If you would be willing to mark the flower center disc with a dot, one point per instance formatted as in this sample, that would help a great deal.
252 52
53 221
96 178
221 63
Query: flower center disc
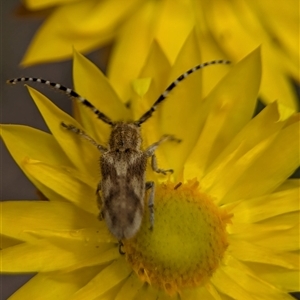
187 242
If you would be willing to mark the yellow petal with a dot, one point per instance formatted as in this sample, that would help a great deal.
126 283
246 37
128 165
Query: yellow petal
58 183
287 220
81 28
91 83
53 42
40 4
179 15
282 238
240 283
171 15
236 167
288 240
240 29
167 15
225 23
182 104
99 248
147 292
246 251
141 86
279 222
82 153
20 217
111 294
35 256
209 49
130 288
234 160
229 286
266 175
23 141
267 206
229 29
6 241
162 295
100 258
199 293
228 108
289 184
156 68
269 121
122 71
107 279
283 90
285 30
286 280
89 236
54 285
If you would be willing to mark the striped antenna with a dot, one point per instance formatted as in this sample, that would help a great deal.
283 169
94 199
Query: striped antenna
165 94
68 92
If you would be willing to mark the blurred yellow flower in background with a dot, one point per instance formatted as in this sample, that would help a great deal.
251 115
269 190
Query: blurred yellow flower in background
230 231
225 29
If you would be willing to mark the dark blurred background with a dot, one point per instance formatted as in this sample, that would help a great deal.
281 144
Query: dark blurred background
18 108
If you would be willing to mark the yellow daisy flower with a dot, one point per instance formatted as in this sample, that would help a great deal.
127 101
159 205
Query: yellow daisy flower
226 222
224 29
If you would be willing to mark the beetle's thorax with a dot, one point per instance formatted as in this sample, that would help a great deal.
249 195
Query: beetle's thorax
125 136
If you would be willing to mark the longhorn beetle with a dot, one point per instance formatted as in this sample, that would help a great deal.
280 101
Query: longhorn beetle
122 188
